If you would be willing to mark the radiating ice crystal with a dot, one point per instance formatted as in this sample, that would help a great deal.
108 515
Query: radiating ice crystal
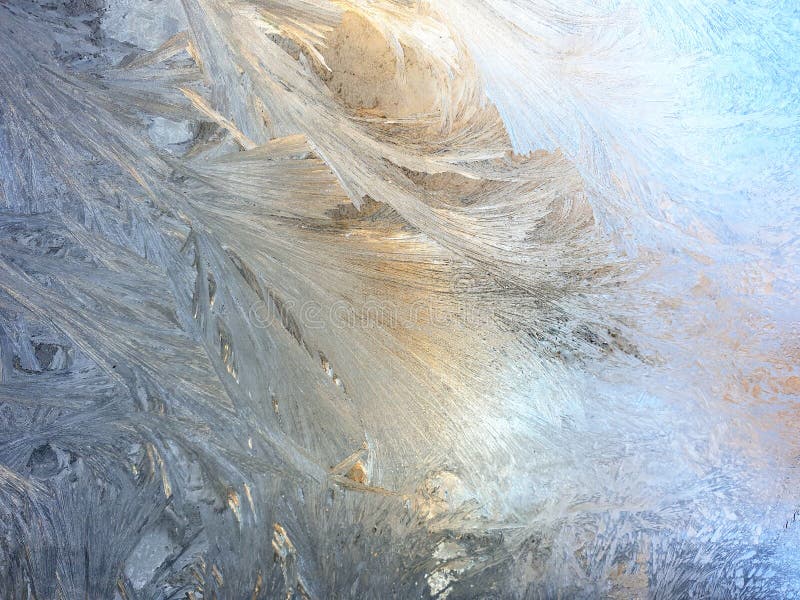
448 299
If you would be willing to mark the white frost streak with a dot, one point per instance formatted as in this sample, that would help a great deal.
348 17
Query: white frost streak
371 299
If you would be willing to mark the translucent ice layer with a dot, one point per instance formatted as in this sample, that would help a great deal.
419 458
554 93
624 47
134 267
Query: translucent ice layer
399 299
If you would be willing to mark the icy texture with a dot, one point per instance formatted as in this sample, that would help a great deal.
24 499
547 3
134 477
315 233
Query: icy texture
356 299
145 24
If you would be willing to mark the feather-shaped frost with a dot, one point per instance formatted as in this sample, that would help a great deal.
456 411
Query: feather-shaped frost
360 299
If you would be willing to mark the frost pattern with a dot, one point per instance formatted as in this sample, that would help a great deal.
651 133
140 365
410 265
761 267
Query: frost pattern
359 299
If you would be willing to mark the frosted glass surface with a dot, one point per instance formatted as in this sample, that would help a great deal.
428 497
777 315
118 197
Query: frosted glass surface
399 299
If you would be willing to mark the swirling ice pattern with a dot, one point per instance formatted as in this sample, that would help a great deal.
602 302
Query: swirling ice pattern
399 299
